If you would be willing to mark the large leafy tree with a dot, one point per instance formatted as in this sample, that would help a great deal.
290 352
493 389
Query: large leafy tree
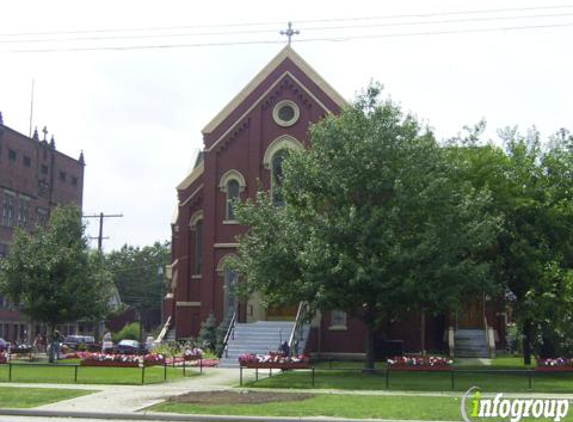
137 277
53 276
375 222
531 188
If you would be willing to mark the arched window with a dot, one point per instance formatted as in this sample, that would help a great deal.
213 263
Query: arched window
196 225
273 160
233 190
198 247
277 177
232 183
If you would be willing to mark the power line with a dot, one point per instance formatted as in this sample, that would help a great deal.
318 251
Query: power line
261 31
316 39
299 21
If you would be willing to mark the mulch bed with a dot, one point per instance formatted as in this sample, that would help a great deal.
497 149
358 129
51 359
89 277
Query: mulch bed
234 397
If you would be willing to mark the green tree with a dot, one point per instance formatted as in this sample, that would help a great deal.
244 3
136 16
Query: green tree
375 223
533 255
53 276
135 274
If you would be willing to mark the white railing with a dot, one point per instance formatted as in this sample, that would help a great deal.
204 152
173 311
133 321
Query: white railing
297 329
163 331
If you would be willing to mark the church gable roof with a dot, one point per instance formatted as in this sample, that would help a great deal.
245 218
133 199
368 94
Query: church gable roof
286 54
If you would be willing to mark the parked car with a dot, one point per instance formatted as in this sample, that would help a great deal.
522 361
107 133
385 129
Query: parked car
75 342
3 345
129 347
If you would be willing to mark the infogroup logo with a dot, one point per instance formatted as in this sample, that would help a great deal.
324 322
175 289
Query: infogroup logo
514 409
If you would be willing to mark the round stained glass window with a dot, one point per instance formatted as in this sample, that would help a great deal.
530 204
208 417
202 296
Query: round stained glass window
286 113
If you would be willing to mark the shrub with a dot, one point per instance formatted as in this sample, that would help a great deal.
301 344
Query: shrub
129 331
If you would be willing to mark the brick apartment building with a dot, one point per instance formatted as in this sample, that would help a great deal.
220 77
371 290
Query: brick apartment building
34 178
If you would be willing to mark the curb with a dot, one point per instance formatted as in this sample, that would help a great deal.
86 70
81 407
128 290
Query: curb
152 416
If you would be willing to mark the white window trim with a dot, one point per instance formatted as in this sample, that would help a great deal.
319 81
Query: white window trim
339 327
280 143
286 123
197 215
232 175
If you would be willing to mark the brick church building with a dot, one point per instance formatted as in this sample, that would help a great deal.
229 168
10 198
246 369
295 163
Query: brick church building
242 152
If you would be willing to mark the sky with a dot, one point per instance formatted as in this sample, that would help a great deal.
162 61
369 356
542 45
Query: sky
137 113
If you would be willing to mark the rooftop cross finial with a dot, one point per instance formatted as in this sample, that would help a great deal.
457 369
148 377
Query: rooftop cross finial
290 32
45 132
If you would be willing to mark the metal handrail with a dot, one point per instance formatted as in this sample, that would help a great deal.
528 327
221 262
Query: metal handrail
298 324
230 333
163 331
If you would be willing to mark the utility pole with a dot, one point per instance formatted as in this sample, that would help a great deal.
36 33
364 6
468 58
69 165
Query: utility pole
100 237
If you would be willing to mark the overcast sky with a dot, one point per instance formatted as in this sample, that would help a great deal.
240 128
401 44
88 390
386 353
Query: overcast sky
138 113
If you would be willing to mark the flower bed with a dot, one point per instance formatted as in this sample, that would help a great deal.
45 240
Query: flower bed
193 354
273 360
419 363
555 365
21 349
105 359
3 358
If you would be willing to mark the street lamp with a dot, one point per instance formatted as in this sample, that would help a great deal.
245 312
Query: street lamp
161 291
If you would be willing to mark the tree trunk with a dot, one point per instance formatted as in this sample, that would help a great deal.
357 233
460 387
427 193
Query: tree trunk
527 334
370 340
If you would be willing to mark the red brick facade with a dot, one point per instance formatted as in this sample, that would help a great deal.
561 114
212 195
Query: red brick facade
34 178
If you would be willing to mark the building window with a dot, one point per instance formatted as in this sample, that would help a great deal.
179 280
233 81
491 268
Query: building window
11 156
277 177
23 213
230 297
74 181
4 250
233 190
198 247
44 169
286 113
8 210
27 161
63 176
337 320
42 217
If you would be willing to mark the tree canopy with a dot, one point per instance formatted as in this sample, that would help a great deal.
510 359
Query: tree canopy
52 275
530 185
376 222
135 274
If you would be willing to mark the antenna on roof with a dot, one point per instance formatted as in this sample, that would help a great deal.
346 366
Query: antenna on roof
31 109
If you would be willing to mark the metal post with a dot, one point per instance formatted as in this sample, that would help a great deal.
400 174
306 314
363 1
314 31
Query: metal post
165 371
184 366
143 374
9 371
387 377
452 378
76 373
256 374
241 376
313 377
529 379
270 372
201 365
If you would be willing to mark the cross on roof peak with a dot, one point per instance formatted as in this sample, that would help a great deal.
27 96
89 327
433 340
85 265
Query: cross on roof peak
290 32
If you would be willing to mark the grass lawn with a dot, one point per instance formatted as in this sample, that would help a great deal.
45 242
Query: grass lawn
32 397
90 374
498 381
343 406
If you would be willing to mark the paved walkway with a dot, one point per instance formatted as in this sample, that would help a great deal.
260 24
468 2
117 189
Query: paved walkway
131 398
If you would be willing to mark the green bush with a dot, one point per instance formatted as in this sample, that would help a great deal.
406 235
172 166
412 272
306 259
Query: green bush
129 331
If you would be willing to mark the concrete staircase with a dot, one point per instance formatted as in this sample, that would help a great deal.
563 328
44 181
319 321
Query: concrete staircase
471 343
259 338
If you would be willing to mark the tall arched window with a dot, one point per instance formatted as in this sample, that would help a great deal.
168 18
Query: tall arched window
273 160
233 190
232 183
277 176
198 247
